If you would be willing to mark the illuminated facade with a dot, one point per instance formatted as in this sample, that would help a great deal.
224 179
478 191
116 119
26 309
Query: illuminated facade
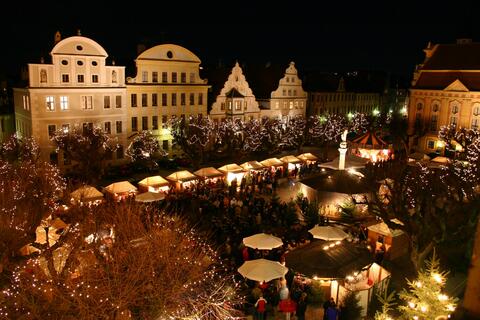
445 91
167 85
77 88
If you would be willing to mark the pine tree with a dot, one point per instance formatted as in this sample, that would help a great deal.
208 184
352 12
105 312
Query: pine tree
425 299
351 308
387 302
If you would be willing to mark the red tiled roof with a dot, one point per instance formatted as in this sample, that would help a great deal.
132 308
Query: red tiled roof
441 80
464 56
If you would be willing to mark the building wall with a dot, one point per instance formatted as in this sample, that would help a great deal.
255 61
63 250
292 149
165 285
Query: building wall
289 99
342 102
428 110
249 108
7 127
169 74
76 88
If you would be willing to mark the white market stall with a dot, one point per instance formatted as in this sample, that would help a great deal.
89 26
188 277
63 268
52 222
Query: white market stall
252 165
233 171
291 161
182 179
308 157
209 174
121 190
86 194
154 184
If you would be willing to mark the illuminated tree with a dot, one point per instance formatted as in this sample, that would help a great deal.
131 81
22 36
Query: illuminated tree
143 147
425 299
123 262
272 135
359 123
294 133
195 136
388 302
87 147
229 135
28 188
253 135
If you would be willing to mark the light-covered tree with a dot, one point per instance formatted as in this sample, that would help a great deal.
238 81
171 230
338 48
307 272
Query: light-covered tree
229 135
143 148
359 123
295 133
123 262
425 298
87 147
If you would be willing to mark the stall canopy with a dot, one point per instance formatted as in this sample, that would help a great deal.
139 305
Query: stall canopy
252 165
263 241
86 194
262 270
149 197
290 159
328 233
307 157
182 176
208 173
418 156
155 181
272 162
383 229
233 168
120 187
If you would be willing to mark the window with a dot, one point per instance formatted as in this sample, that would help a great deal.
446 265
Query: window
118 101
144 123
174 77
108 127
222 106
229 104
284 92
291 105
51 130
95 78
200 99
296 104
164 100
80 78
154 99
65 78
114 76
164 77
164 122
434 122
94 63
431 144
87 102
26 102
288 79
144 76
238 105
63 102
277 104
144 99
476 111
192 99
293 80
87 127
120 152
54 158
134 124
118 126
453 121
65 127
295 92
165 144
133 100
192 77
435 108
154 76
43 76
183 77
183 99
174 99
289 92
455 109
50 103
475 123
419 106
106 102
155 123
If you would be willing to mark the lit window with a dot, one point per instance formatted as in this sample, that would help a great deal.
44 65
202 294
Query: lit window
50 103
87 102
65 127
64 103
291 104
277 104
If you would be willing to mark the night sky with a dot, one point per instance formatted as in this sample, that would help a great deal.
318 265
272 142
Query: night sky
331 37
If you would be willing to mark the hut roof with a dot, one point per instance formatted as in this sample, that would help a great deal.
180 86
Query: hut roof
208 172
272 162
383 229
307 156
86 193
154 181
252 165
290 159
233 167
182 176
121 187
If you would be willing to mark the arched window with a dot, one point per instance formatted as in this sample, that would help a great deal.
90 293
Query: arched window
43 76
114 76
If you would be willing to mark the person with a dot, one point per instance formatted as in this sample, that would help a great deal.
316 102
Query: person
332 312
301 307
287 307
328 303
260 307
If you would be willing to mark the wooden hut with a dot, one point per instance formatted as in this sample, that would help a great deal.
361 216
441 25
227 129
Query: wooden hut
395 241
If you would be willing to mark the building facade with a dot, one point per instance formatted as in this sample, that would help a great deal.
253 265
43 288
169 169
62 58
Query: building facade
77 88
7 123
167 85
288 99
445 91
236 99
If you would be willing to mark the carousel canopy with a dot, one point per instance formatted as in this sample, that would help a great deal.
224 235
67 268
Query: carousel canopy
290 159
272 162
121 187
252 165
370 140
383 229
312 260
182 176
155 181
86 193
208 172
233 167
307 157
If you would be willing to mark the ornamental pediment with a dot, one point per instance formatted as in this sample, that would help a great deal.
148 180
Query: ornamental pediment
456 85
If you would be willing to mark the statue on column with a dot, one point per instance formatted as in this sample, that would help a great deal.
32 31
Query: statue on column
343 144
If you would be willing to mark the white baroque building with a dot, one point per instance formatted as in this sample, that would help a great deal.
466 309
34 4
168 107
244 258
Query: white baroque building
76 89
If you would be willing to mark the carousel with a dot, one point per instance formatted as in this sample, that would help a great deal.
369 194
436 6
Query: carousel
371 146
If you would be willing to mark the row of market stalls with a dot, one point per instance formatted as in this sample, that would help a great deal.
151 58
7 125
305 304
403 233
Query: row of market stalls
184 179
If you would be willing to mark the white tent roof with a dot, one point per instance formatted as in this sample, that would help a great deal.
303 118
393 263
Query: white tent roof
290 159
121 187
262 270
440 160
154 181
307 156
418 156
182 176
86 193
252 165
263 241
272 162
208 172
149 197
233 167
383 229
